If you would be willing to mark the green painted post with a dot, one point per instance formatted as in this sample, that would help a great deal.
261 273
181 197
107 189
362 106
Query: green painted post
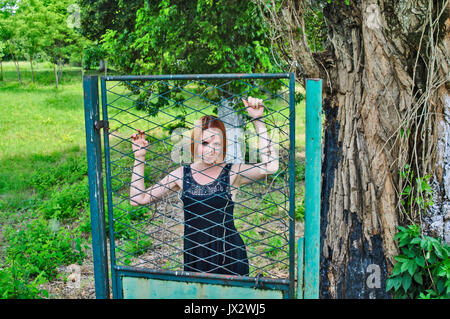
291 185
312 192
95 177
300 261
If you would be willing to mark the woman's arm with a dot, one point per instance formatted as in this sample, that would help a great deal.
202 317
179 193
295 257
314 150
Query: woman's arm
269 164
138 194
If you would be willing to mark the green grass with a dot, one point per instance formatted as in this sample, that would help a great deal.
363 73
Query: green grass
42 177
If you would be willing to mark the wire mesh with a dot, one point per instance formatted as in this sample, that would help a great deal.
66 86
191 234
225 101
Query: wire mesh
155 235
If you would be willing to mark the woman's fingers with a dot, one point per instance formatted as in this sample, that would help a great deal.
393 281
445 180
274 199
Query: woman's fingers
253 102
139 138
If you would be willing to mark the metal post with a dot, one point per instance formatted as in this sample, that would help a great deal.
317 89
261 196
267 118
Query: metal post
292 184
312 192
96 197
300 263
109 190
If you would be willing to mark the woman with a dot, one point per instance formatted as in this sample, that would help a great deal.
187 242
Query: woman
208 185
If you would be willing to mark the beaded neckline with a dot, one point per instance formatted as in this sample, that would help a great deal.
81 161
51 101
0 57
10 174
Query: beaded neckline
191 186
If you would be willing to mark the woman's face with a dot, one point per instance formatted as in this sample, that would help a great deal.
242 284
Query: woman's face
210 149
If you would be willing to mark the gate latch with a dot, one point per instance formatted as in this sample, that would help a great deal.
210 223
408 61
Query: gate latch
101 124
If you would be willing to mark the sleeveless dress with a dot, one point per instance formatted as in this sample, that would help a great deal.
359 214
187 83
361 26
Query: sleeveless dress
211 242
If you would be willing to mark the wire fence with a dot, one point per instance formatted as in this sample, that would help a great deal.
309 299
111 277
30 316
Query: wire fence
155 235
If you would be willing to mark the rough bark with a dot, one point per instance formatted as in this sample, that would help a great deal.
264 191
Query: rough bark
437 221
377 88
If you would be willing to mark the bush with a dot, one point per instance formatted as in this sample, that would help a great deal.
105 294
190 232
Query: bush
67 201
50 173
423 268
13 288
40 248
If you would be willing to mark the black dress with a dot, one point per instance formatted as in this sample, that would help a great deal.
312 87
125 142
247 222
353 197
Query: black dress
211 242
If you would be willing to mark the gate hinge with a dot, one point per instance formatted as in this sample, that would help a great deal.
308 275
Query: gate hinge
101 124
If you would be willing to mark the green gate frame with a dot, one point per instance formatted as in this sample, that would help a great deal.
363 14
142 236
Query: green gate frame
197 284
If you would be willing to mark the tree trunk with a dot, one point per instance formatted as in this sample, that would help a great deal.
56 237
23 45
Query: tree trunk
56 74
371 92
82 65
101 66
17 69
379 104
60 69
1 68
32 70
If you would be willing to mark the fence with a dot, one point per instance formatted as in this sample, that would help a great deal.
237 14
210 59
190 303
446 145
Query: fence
148 243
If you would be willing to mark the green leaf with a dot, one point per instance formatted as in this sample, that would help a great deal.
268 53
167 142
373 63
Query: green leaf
406 282
418 278
389 283
401 258
412 268
405 266
440 286
397 282
420 261
396 271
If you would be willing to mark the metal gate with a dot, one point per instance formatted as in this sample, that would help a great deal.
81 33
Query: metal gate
146 242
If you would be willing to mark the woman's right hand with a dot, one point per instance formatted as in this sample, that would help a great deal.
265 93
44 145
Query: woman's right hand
139 144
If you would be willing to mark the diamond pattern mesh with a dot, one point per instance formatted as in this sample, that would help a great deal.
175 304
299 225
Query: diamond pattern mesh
152 236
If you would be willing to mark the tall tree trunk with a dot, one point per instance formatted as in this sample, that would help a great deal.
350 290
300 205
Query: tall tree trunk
1 68
60 68
82 65
32 70
16 62
378 105
56 74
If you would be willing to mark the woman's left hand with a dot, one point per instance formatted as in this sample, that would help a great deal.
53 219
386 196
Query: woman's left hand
254 107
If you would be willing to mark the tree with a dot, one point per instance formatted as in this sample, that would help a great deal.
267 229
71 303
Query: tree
97 17
60 37
9 24
385 69
179 36
31 27
186 37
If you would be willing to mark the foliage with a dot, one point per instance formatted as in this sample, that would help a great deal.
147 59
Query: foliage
33 28
98 16
190 37
41 246
315 27
423 268
13 285
300 211
170 37
66 201
417 193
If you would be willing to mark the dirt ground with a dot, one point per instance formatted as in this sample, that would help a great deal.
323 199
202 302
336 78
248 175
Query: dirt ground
73 281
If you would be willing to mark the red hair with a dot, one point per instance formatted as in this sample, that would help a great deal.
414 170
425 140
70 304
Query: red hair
204 123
